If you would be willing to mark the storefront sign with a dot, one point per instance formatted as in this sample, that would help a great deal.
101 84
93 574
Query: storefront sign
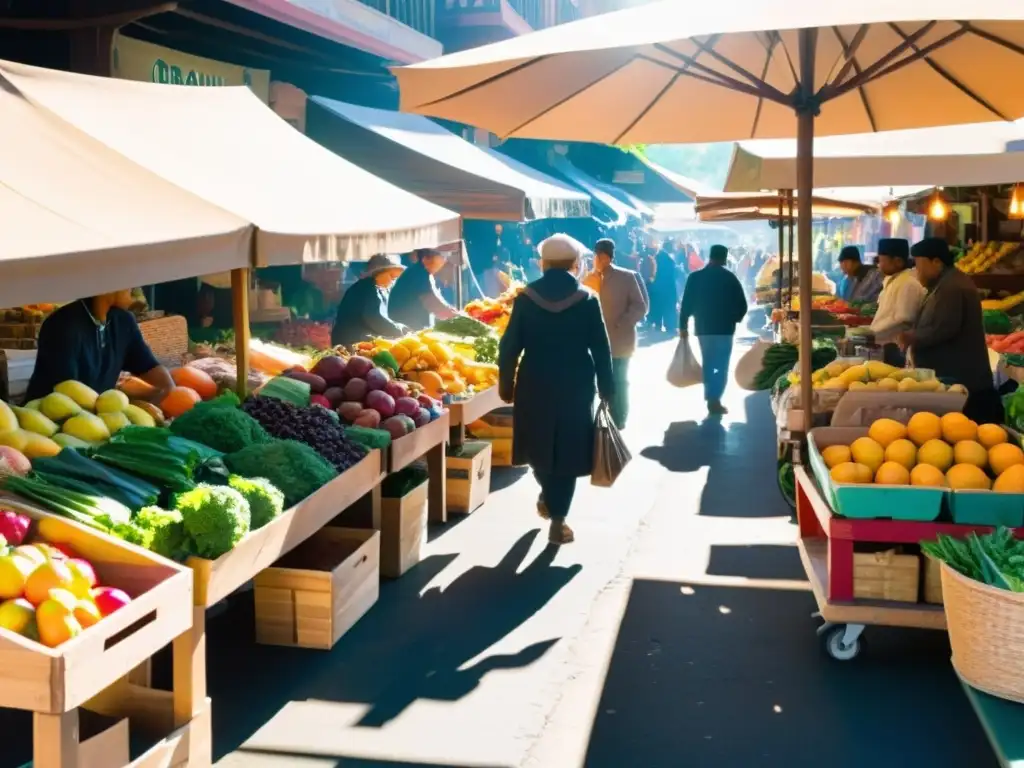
136 60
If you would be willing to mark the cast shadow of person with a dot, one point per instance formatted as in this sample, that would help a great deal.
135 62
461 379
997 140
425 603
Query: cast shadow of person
467 617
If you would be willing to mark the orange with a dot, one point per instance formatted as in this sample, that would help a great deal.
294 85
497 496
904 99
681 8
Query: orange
1003 456
179 401
990 435
892 473
926 474
199 381
957 427
51 575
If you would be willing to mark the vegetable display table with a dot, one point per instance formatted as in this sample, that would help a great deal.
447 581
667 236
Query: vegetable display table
216 579
1003 722
826 548
426 442
53 683
465 412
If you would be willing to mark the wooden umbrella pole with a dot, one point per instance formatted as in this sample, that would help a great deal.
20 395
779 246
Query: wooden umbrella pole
805 183
240 318
789 287
782 242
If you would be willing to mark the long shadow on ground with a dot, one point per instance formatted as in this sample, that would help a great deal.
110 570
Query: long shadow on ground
409 647
721 677
741 481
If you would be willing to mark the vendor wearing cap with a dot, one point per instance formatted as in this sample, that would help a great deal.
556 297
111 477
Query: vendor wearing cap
949 335
862 282
363 311
415 300
92 341
900 300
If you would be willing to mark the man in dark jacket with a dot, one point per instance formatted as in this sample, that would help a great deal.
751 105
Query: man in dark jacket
714 298
949 336
415 300
665 289
553 350
363 311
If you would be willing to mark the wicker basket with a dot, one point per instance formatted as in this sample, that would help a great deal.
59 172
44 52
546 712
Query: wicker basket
167 337
986 633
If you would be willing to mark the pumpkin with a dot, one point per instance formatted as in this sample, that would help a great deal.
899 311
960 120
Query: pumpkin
179 401
198 381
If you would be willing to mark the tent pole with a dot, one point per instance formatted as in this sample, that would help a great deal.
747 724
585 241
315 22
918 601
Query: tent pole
806 113
240 317
789 287
782 243
463 254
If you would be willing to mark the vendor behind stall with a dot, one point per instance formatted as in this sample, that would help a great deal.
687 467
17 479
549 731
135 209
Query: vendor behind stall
92 341
949 336
363 311
900 300
861 282
415 300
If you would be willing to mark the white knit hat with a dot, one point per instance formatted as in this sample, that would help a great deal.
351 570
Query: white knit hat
560 249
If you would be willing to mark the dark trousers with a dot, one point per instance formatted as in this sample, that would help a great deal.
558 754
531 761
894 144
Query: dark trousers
984 407
619 405
557 492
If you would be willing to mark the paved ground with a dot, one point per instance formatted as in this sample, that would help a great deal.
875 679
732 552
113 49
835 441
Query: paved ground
675 633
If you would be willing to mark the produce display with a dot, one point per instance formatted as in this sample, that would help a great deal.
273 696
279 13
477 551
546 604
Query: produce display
779 360
294 468
995 558
950 451
496 312
853 375
438 363
315 426
984 256
1007 344
996 322
49 594
303 334
828 310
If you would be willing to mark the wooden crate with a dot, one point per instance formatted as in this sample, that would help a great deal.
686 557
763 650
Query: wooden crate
216 579
100 742
403 531
469 476
932 581
886 576
405 450
316 593
467 411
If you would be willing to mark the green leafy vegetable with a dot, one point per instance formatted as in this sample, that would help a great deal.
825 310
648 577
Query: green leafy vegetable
103 480
486 349
265 501
226 429
165 531
215 517
293 467
995 558
159 463
82 507
463 325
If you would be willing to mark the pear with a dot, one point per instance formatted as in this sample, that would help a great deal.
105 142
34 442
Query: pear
39 447
115 421
139 417
34 421
111 401
8 421
34 405
15 438
79 392
58 407
88 427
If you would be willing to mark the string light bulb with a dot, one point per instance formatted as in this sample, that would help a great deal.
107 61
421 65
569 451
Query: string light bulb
937 208
891 213
1016 203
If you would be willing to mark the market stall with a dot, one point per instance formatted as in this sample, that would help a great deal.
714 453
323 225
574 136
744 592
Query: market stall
101 459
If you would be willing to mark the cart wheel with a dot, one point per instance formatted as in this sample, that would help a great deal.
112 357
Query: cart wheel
787 482
842 644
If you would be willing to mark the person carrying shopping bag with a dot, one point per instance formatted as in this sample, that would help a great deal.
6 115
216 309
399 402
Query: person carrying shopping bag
553 359
714 299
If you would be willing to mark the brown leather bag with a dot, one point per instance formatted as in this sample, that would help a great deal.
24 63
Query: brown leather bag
610 452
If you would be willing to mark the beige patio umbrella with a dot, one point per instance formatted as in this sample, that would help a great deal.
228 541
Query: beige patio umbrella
671 72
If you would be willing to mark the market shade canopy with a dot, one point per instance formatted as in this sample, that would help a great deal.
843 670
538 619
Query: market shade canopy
745 207
421 157
954 156
621 204
79 219
672 72
226 147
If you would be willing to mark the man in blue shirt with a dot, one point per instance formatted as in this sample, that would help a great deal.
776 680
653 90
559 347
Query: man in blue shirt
861 282
92 341
415 300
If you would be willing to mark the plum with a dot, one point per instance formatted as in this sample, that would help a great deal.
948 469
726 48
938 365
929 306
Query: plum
355 389
331 369
376 379
422 418
381 402
397 389
350 410
335 396
357 367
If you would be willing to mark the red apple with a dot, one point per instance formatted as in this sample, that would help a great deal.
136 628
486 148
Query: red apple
109 599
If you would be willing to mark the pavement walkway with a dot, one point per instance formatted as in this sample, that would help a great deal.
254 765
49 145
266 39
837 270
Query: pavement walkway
675 632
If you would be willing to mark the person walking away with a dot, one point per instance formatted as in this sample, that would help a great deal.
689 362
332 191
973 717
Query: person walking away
861 282
949 335
415 300
647 268
665 288
714 299
899 301
553 350
363 311
623 305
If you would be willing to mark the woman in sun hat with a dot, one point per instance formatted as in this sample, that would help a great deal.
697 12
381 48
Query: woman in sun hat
363 311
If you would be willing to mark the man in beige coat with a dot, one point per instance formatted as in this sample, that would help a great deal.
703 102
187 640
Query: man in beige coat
624 303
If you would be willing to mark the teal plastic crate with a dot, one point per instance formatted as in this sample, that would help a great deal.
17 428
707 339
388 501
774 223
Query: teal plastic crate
987 508
869 502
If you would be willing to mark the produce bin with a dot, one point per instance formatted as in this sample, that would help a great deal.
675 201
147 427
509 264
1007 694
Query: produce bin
987 508
886 575
932 581
866 502
469 476
403 530
405 450
318 591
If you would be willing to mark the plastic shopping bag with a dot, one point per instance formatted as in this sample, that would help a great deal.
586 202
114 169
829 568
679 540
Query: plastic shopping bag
610 452
684 371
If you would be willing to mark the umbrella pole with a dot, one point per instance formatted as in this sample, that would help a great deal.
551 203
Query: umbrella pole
789 286
806 113
782 241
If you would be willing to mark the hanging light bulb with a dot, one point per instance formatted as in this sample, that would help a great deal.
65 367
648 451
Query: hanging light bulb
891 213
937 208
1016 203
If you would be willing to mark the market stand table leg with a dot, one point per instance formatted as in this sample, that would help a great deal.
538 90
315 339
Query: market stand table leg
426 442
